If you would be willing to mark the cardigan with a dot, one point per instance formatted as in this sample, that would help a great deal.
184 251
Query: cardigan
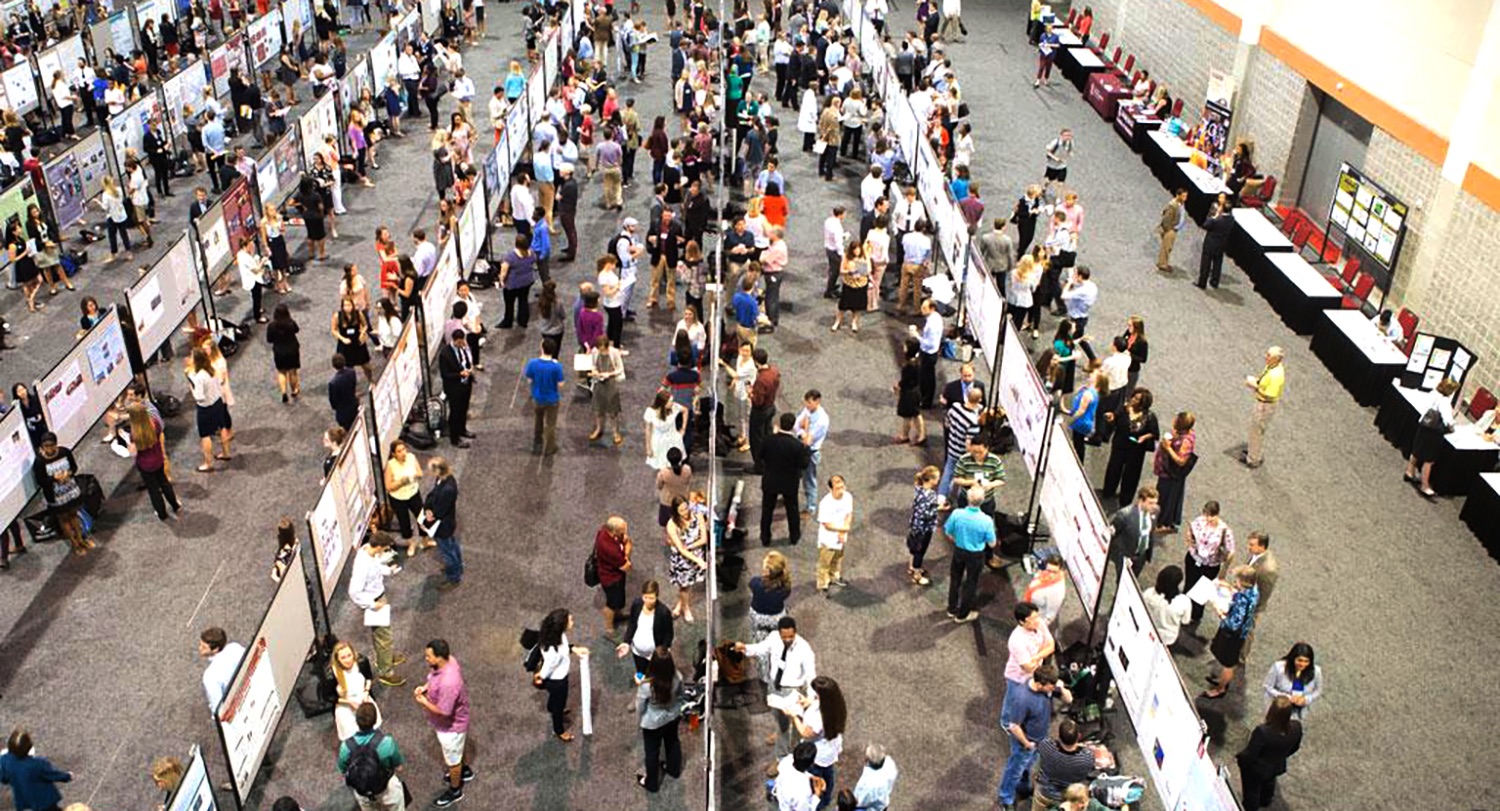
661 623
31 781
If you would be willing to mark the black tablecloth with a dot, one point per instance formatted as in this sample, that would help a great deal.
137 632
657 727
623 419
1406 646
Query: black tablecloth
1160 164
1455 471
1301 312
1480 511
1364 379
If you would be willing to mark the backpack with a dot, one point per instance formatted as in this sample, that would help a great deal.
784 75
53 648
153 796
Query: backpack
366 774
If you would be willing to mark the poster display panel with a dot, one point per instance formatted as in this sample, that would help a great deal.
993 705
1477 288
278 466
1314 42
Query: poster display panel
195 791
329 541
224 59
93 164
128 129
65 189
383 59
20 88
985 310
1206 788
321 120
1077 522
342 514
17 485
517 135
1168 729
265 681
398 387
162 298
1023 397
1129 644
297 13
355 82
494 182
220 230
437 298
265 38
121 32
471 229
432 15
63 57
280 169
78 390
153 10
184 89
1369 215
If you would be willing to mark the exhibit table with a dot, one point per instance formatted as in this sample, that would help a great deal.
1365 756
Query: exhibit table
1105 90
1464 455
1202 188
1134 122
1357 354
1253 239
1163 151
1066 37
1297 291
1078 64
1480 510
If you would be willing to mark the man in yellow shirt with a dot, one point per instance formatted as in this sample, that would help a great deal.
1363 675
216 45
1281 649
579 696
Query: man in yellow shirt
1268 387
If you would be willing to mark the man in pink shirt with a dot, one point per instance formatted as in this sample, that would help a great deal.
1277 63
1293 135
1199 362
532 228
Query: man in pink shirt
1073 211
1030 645
445 697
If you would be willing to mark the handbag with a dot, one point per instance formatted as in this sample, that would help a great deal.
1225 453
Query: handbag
1181 471
1432 420
591 570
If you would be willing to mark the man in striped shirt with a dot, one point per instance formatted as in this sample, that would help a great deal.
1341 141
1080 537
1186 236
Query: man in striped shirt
959 424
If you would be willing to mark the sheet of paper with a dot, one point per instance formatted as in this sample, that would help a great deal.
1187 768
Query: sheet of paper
430 530
782 703
1209 592
378 617
585 689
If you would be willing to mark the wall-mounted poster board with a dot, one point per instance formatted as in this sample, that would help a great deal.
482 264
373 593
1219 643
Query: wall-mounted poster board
278 171
1433 358
162 298
195 791
81 387
437 298
1078 525
17 485
1024 398
1372 223
184 89
128 129
13 204
265 38
63 57
517 134
432 15
342 514
471 229
265 682
397 389
496 174
20 88
321 120
225 59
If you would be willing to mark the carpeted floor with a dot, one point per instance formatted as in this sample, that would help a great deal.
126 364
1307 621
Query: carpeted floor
99 655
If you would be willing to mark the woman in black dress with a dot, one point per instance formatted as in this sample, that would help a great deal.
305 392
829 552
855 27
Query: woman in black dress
31 412
310 203
28 275
442 164
1135 433
350 333
909 396
286 352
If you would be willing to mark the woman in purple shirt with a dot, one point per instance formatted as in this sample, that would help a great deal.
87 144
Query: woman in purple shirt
589 321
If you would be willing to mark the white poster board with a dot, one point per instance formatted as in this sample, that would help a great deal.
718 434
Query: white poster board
162 298
77 392
184 89
265 38
985 309
437 298
62 57
20 88
225 59
342 513
383 59
1078 525
195 791
1024 398
17 485
321 120
471 228
121 32
128 129
397 388
278 171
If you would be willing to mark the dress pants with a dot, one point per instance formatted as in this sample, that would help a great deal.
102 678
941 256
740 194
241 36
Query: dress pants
1164 256
788 494
760 429
1260 419
1211 265
963 581
1194 573
384 643
557 701
544 429
654 741
927 379
159 487
458 410
773 296
835 264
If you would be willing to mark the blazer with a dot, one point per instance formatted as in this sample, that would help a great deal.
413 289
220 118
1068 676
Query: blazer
953 391
450 367
661 623
442 500
1216 231
783 458
1265 579
343 396
31 781
1169 215
1127 541
1266 754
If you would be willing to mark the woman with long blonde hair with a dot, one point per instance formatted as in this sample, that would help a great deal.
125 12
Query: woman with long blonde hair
151 459
354 677
1020 291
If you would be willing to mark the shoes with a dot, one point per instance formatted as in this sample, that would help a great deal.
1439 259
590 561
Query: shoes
448 585
969 617
399 659
449 797
285 398
839 581
468 773
461 443
469 435
392 681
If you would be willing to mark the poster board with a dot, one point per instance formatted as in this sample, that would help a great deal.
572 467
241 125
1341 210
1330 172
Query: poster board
154 10
265 681
195 791
182 90
278 171
397 389
1371 220
20 88
226 221
340 517
1078 525
517 135
128 129
63 57
1206 788
13 204
496 173
164 296
984 307
17 485
437 298
84 384
471 229
265 38
322 119
355 82
1433 358
1023 397
296 13
432 15
75 177
383 59
114 33
225 59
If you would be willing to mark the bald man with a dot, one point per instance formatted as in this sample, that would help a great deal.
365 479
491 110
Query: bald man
1268 387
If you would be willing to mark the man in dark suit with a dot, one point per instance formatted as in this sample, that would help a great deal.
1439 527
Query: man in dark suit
200 204
343 392
957 391
665 243
159 152
567 210
1133 527
1217 229
456 366
440 511
783 460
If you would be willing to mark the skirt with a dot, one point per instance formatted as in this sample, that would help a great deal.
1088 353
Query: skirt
287 360
854 299
213 418
1226 647
280 260
355 354
909 403
762 626
1427 444
681 571
606 398
316 228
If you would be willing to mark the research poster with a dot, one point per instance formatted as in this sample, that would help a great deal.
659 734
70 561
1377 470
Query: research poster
162 298
105 348
213 236
184 89
319 121
62 57
1130 643
248 715
1168 729
355 480
225 59
985 311
65 188
397 388
20 88
265 38
1074 517
121 32
328 538
383 59
471 229
65 396
17 485
195 791
1024 399
438 297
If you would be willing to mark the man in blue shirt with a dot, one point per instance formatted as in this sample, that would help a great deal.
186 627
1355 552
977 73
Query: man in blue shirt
812 429
973 534
547 380
746 309
541 243
214 143
930 340
1025 716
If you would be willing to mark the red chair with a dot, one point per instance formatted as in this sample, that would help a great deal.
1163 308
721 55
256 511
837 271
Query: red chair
1408 321
1351 270
1072 14
1134 77
1104 44
1129 64
1483 401
1363 284
1177 108
1292 220
1300 233
1115 60
1151 91
1262 196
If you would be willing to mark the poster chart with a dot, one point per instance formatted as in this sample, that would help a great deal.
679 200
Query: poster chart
536 90
17 485
20 88
437 297
342 512
985 310
265 38
298 16
265 681
517 134
184 90
432 13
1078 525
321 120
496 177
162 298
154 10
195 791
62 57
398 387
220 230
1023 397
354 84
13 204
65 189
1369 216
383 59
113 33
79 389
277 171
471 228
128 129
225 59
1206 788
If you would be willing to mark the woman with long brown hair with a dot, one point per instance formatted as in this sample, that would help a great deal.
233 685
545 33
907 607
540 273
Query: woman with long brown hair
821 719
390 268
351 334
686 535
1173 462
151 459
658 701
1265 755
286 352
212 412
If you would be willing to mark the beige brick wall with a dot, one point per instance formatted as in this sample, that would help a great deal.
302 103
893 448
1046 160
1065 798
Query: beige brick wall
1268 111
1462 299
1173 41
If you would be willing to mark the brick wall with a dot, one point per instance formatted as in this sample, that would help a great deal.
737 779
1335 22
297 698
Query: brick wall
1462 299
1270 111
1173 41
1411 178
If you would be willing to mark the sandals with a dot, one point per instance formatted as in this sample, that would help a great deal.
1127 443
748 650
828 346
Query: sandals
206 468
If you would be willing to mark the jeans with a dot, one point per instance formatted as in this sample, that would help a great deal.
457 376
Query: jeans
810 480
1015 768
963 580
114 228
825 772
945 484
453 558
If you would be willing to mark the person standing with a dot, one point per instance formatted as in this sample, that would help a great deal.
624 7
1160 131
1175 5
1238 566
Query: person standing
372 565
1235 625
834 237
557 663
1174 460
873 790
223 659
763 391
149 449
55 471
1265 755
1132 529
924 512
31 778
1173 219
566 208
547 379
1079 294
445 697
658 702
784 459
812 429
793 668
931 342
1030 644
1026 717
999 252
649 628
1267 571
440 514
1217 229
1210 547
456 366
960 428
973 534
1135 429
368 755
1059 152
1268 387
612 549
835 518
1435 423
343 392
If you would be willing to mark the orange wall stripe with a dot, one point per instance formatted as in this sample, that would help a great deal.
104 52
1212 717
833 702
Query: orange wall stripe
1483 185
1220 16
1403 127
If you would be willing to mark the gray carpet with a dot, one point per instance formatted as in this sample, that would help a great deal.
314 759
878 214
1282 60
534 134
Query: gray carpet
1355 584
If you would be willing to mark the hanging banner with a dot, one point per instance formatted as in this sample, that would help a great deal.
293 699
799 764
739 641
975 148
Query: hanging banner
224 59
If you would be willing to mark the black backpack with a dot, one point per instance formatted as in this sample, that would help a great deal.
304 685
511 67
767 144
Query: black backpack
366 774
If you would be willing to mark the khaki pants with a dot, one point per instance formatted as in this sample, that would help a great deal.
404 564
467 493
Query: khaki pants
658 270
747 335
384 643
614 183
393 799
1164 256
911 282
547 193
830 566
1260 418
544 430
950 29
